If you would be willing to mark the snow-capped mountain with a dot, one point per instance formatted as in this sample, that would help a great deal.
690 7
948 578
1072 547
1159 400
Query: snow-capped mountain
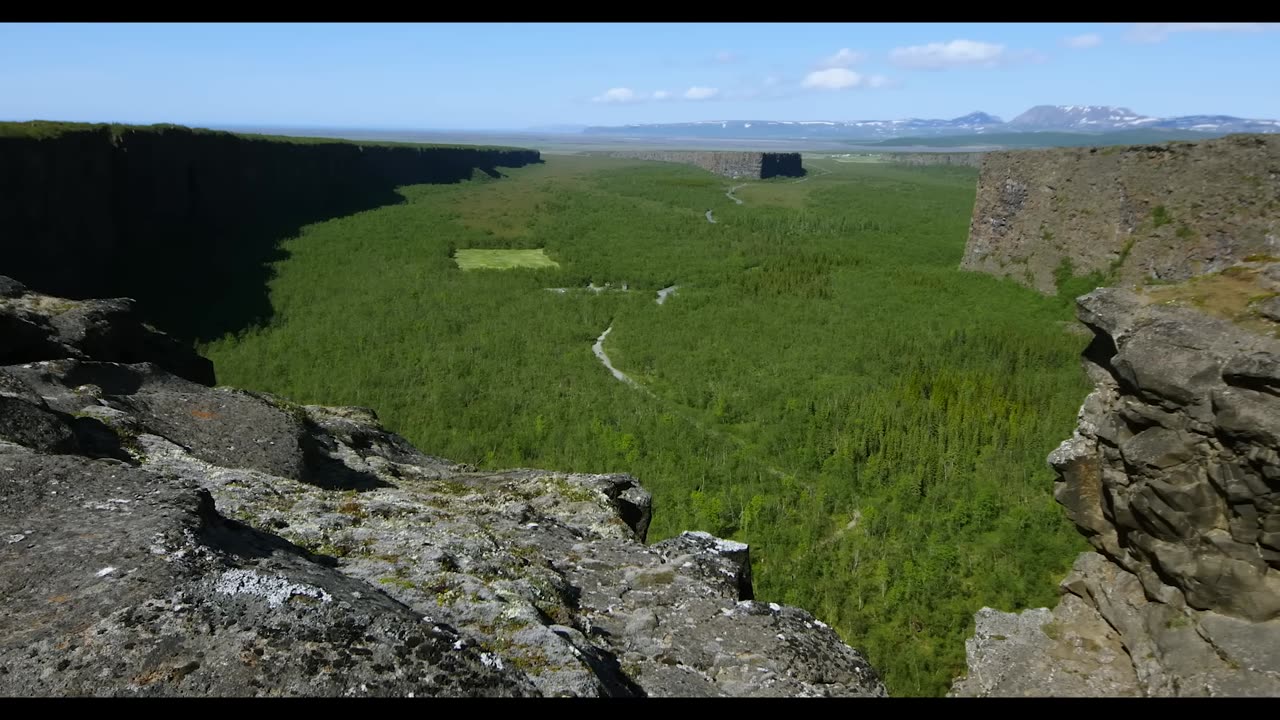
1085 118
1056 118
976 122
1218 123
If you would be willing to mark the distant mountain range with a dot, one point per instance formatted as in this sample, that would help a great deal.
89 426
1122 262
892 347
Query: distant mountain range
1089 119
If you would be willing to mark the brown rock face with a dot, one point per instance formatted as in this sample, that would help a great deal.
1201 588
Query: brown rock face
1166 212
1173 474
730 164
1173 466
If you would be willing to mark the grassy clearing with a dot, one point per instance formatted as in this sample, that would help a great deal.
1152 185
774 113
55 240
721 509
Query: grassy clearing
1230 294
490 259
825 360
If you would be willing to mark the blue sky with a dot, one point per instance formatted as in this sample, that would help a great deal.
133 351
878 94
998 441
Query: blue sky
512 76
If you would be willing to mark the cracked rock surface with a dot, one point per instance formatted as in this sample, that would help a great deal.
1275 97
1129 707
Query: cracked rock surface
1173 475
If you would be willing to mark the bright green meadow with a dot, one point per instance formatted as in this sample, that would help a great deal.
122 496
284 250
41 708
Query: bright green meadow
481 259
825 383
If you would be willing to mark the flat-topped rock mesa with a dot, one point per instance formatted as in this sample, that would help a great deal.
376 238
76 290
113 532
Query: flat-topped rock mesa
186 220
1127 214
757 165
165 537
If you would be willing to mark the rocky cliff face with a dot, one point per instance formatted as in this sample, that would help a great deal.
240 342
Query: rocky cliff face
1129 214
159 536
1173 475
185 221
730 164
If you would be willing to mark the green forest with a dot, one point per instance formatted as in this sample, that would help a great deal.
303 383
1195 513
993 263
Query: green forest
825 383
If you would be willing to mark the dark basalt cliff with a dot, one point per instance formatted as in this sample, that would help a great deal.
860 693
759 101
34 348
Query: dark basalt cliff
159 536
187 221
757 165
1173 473
1127 214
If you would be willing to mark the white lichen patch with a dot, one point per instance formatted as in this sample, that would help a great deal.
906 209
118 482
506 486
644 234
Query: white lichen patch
722 546
274 589
1074 448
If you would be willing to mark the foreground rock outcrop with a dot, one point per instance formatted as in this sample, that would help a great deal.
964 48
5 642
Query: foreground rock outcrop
1173 475
1133 213
758 165
159 536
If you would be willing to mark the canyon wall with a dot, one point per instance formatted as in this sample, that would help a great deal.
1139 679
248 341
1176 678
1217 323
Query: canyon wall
1126 214
1173 471
187 221
758 165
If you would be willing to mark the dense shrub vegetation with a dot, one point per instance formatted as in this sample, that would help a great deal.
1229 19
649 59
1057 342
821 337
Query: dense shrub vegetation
827 385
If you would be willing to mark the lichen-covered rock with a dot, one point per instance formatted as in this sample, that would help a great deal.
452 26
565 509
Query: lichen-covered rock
1173 475
41 327
118 580
162 537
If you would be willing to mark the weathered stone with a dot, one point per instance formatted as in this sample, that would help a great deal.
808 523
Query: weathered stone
1248 414
1253 646
1256 370
1158 448
40 327
129 583
1172 473
11 288
1166 371
1070 652
33 425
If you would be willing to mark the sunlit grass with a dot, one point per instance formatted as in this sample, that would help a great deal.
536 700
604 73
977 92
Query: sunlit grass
477 259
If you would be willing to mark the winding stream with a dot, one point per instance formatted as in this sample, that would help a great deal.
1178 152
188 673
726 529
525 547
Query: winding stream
664 292
710 219
731 190
598 349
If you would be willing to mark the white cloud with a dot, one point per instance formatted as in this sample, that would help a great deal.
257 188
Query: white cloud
843 58
617 95
1086 40
952 54
833 79
878 81
700 93
661 95
726 56
1155 32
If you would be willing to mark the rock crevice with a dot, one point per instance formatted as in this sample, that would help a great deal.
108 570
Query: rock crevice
1173 475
